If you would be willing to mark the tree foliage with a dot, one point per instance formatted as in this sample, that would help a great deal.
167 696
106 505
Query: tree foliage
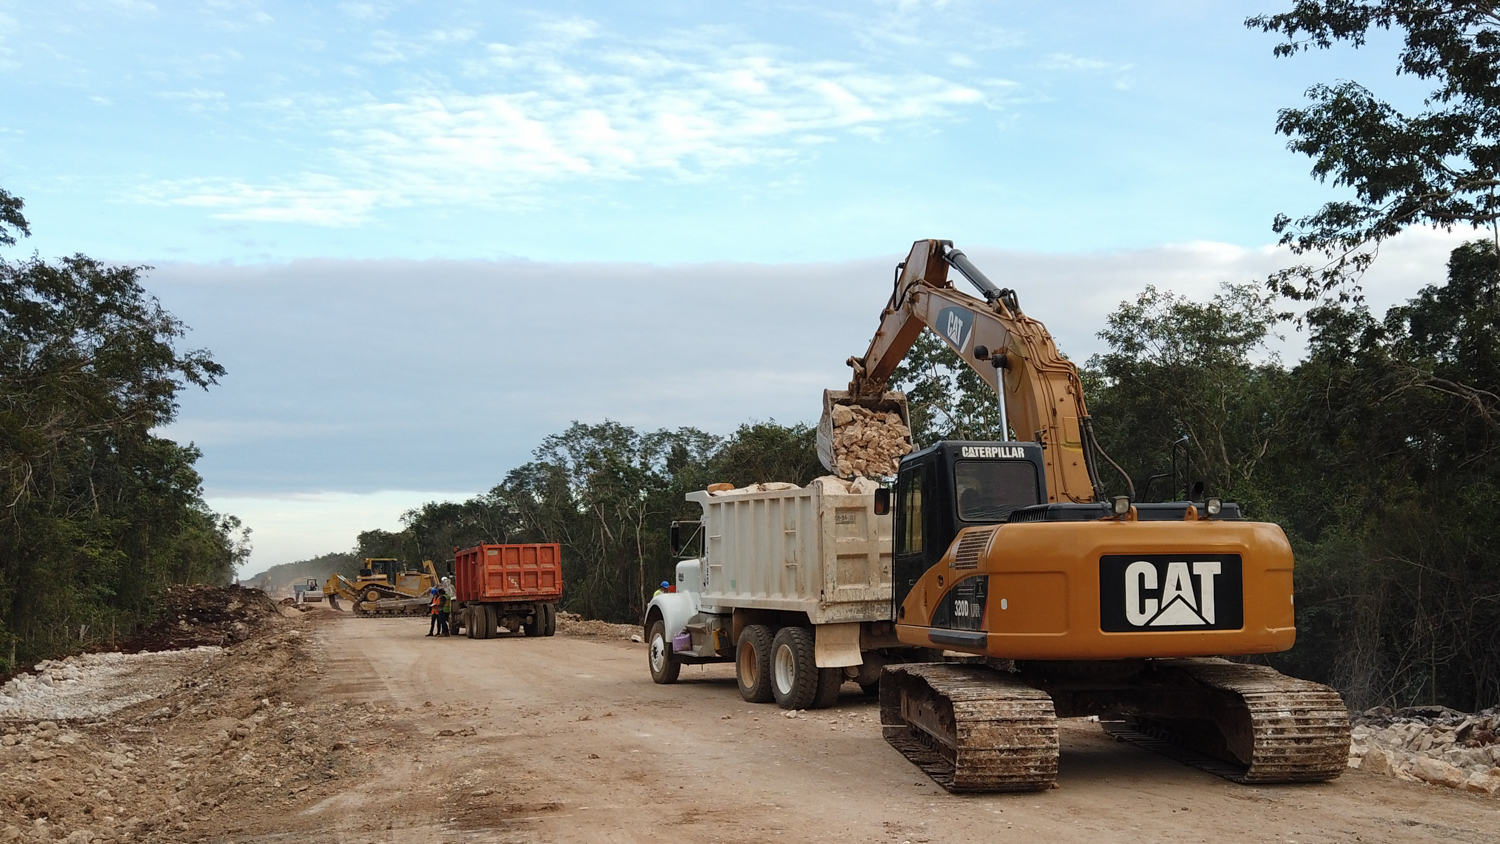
1437 167
608 494
99 515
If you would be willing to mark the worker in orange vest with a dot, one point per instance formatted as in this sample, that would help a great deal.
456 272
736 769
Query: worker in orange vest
433 593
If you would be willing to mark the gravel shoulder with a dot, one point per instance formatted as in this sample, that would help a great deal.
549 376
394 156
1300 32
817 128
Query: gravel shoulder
329 728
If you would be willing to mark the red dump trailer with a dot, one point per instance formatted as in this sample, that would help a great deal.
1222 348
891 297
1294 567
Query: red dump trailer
511 586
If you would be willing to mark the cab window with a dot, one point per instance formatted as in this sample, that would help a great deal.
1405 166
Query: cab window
987 490
911 512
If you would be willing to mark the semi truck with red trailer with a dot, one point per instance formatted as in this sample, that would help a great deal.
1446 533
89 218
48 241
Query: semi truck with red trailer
515 587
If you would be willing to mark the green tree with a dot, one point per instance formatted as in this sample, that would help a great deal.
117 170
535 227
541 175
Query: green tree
947 398
1178 368
1439 166
99 515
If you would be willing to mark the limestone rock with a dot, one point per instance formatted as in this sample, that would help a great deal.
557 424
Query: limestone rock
1484 782
1437 772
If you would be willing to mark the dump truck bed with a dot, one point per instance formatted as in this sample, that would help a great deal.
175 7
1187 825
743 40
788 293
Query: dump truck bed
819 549
531 572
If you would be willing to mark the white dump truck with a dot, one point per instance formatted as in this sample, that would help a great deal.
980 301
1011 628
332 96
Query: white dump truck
792 584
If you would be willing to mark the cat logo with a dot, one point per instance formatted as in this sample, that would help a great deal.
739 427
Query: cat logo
954 325
1179 604
1159 592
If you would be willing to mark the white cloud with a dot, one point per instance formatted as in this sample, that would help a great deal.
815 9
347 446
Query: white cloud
286 528
1069 62
578 103
350 377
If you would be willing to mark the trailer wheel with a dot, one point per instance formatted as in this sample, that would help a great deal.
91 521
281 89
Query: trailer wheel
664 667
549 627
752 663
830 680
794 668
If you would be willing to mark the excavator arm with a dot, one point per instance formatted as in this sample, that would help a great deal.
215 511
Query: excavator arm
1042 398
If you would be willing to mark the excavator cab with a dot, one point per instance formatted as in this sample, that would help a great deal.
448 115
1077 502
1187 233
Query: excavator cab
951 485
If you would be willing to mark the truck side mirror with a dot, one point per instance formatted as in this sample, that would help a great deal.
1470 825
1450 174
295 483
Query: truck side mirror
676 539
883 501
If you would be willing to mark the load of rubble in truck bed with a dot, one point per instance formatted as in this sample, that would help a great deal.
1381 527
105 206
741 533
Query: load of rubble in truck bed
863 436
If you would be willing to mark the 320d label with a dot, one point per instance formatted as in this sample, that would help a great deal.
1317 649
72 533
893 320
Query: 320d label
1161 592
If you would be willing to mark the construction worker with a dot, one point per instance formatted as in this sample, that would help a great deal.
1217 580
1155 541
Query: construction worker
433 594
663 590
445 611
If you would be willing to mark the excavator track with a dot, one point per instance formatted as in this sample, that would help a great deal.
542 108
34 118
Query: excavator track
970 728
1270 728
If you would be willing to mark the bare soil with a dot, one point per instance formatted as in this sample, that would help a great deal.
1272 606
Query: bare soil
326 728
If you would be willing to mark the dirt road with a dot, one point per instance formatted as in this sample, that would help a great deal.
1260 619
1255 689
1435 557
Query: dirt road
574 743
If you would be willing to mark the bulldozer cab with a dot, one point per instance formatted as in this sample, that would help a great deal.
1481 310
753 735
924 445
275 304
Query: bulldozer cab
951 485
379 568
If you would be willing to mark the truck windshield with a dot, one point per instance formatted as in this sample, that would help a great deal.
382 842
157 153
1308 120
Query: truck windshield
989 489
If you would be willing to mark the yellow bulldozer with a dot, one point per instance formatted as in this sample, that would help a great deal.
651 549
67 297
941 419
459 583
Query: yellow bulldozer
384 587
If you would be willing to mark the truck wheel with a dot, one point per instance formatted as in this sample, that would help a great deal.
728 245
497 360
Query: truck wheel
537 622
830 680
664 667
549 627
794 668
484 622
752 663
871 689
469 625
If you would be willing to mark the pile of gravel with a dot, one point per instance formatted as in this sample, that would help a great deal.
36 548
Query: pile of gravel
90 686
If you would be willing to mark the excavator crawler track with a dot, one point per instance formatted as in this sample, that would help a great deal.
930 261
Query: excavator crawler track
970 728
1270 728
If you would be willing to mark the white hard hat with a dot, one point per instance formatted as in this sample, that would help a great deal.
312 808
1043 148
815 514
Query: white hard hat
445 578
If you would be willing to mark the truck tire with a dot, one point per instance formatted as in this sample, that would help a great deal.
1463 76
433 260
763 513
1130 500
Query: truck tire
752 663
549 627
484 622
830 680
465 617
870 689
794 668
664 667
537 623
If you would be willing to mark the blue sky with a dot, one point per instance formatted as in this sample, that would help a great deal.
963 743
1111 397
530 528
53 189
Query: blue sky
421 236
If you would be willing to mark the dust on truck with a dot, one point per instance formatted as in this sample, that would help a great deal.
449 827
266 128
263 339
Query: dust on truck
793 584
515 587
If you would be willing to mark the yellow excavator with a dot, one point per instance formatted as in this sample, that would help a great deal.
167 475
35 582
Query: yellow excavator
384 587
1120 609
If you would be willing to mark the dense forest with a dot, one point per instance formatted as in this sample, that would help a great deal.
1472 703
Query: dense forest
99 515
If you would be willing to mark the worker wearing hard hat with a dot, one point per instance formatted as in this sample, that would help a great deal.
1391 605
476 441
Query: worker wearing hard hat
665 588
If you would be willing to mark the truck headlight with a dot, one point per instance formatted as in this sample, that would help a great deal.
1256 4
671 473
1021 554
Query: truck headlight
1214 506
1120 505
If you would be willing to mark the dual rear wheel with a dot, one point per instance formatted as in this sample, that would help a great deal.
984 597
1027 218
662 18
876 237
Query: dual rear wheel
783 667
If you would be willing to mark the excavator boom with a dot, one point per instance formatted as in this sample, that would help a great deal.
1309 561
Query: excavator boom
1013 353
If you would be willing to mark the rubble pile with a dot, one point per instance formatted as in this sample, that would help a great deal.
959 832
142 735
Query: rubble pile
190 616
573 624
97 684
1431 744
868 442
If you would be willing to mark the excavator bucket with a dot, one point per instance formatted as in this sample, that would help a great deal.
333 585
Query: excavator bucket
863 435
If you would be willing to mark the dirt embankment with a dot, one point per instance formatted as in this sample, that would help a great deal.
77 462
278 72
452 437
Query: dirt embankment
154 746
